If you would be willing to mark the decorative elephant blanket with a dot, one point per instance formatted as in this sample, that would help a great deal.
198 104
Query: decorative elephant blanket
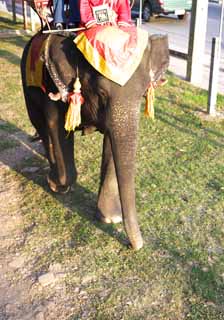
113 51
34 63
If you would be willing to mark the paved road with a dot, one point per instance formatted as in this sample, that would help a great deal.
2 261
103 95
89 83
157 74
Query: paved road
178 32
214 12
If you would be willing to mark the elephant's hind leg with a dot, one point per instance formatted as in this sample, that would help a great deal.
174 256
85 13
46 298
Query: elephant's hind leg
108 206
61 145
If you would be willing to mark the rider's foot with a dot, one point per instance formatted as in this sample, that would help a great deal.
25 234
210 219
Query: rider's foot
59 26
73 25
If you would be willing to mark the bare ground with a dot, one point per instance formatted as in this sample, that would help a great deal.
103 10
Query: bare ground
25 295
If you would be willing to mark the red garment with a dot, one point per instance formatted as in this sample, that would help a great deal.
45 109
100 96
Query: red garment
114 51
120 7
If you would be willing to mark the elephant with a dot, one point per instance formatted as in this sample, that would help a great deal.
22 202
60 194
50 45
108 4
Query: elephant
109 108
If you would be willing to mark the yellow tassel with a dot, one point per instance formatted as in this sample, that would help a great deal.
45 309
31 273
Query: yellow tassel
149 107
73 115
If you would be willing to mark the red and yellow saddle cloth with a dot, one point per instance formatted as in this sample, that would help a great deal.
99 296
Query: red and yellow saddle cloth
34 63
113 51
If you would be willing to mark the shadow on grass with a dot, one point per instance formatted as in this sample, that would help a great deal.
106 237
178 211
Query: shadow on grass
203 280
6 23
18 41
181 124
80 199
11 57
7 54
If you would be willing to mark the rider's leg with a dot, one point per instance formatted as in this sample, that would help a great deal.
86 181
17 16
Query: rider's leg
59 13
74 13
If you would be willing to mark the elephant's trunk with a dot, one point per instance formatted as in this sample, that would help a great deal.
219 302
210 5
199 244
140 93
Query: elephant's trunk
127 196
124 125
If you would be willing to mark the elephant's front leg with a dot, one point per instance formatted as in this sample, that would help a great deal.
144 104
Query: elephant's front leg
123 123
109 205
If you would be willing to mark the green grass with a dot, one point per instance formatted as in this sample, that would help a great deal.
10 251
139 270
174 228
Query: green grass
6 22
6 144
179 274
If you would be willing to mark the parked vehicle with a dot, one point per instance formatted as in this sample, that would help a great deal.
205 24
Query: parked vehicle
156 7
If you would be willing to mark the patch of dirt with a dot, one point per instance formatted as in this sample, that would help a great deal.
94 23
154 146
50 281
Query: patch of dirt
218 116
14 298
25 295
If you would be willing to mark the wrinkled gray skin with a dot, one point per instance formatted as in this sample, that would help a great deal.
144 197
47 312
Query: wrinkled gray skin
108 107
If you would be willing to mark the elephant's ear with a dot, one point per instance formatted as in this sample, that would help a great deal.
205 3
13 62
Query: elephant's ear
60 62
159 55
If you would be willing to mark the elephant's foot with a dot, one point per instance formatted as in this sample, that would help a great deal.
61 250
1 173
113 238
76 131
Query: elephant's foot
134 234
57 188
109 204
109 210
115 218
136 242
